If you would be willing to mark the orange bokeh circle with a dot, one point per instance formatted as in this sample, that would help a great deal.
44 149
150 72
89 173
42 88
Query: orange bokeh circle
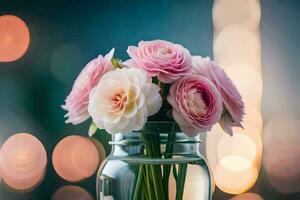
76 158
14 38
23 161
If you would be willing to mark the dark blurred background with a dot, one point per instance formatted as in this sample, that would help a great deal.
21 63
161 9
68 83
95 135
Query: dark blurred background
65 35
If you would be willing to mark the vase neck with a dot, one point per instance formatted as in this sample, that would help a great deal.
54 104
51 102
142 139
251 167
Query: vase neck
161 133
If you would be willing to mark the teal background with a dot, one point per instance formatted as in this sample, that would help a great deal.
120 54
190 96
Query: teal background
65 35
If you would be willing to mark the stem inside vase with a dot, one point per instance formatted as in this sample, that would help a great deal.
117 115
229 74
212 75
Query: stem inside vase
153 179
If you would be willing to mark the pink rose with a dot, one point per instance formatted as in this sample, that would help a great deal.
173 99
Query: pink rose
77 101
166 60
196 103
232 100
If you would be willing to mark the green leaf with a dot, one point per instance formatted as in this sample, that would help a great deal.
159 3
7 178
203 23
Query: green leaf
116 63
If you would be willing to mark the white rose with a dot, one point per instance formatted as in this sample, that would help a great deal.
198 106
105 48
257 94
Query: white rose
123 100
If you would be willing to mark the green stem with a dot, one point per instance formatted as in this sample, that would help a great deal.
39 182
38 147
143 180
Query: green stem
156 183
168 154
154 174
138 183
149 192
175 173
150 181
160 85
155 169
144 192
180 181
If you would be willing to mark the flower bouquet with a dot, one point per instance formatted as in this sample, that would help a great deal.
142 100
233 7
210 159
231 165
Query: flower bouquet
160 83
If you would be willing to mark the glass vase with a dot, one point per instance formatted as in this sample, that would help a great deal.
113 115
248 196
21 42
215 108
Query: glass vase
157 163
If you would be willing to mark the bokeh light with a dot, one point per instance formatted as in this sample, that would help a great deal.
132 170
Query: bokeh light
235 160
247 196
194 183
71 192
237 146
229 12
76 158
211 143
252 129
252 122
232 159
14 38
249 83
23 162
237 45
234 174
282 153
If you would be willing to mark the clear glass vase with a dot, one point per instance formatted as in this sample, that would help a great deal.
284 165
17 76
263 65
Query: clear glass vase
156 163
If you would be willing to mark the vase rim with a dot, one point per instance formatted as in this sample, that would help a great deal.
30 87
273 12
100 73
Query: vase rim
136 138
